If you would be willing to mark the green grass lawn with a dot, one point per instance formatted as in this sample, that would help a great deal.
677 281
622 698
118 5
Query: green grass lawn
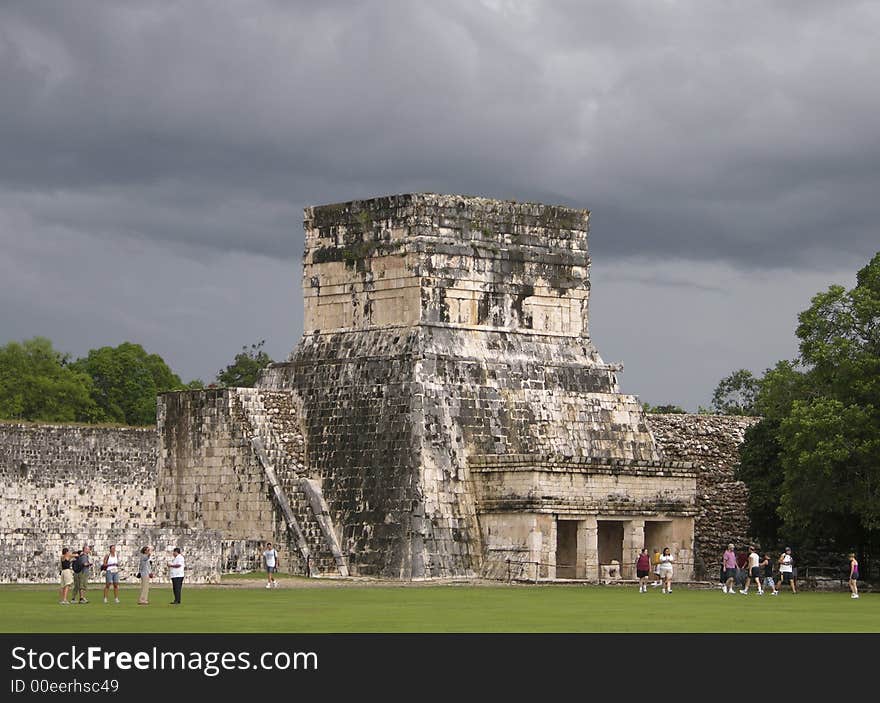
440 608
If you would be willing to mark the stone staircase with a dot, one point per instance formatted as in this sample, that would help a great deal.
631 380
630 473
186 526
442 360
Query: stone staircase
278 444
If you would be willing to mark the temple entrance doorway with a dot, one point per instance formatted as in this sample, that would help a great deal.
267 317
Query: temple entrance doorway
610 542
566 549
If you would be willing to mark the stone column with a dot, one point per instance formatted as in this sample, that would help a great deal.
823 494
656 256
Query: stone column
633 541
534 542
588 549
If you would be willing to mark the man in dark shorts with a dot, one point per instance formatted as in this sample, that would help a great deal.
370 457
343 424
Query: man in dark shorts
81 567
786 569
753 572
270 556
728 561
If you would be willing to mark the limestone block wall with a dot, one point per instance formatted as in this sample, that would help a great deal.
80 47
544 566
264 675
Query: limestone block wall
208 476
712 443
536 484
438 328
66 486
450 259
34 553
517 545
361 412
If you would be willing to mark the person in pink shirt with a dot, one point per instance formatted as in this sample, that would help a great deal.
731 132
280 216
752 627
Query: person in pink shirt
729 562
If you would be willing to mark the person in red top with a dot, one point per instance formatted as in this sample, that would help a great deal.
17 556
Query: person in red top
643 570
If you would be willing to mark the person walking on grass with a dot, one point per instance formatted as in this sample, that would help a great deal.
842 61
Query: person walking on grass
66 575
176 567
110 567
754 572
145 573
767 566
853 576
786 567
81 566
270 556
728 561
666 561
643 569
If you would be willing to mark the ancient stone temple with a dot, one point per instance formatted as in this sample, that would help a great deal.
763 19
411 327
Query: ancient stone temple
446 412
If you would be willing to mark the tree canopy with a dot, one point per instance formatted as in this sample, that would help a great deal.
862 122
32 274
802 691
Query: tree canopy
735 394
669 409
37 383
110 384
813 463
126 380
245 369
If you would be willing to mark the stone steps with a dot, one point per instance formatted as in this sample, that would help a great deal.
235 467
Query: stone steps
274 424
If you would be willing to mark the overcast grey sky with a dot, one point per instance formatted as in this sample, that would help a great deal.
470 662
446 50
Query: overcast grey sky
155 158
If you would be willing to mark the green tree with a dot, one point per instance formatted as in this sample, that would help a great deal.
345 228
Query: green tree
38 384
735 394
126 380
817 448
667 409
245 369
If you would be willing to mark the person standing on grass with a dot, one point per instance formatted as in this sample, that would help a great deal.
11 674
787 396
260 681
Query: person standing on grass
853 576
66 575
110 567
754 572
728 561
655 561
666 570
270 556
145 573
81 567
643 569
767 566
786 566
176 566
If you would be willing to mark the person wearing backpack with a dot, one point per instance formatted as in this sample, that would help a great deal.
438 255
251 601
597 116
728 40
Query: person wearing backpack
66 573
81 566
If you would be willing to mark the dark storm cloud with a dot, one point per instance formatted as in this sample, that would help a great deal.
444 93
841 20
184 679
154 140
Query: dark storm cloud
741 135
738 131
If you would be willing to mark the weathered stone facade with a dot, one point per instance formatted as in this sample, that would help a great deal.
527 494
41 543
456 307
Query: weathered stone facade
232 461
453 402
66 486
445 414
711 443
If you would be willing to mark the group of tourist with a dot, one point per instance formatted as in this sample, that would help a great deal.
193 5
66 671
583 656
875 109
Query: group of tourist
757 568
76 566
662 563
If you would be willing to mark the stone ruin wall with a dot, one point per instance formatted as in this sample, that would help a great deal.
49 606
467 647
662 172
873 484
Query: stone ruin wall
66 486
711 443
57 480
210 478
436 328
208 475
233 460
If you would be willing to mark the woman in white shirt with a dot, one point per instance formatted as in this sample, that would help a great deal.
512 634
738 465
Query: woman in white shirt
110 567
666 570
